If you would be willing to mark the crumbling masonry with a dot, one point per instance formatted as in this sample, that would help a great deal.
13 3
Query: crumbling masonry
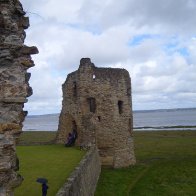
97 103
14 88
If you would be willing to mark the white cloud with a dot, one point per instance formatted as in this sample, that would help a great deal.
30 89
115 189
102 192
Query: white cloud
162 65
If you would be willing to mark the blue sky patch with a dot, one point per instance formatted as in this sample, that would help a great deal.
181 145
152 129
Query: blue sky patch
183 51
173 47
138 39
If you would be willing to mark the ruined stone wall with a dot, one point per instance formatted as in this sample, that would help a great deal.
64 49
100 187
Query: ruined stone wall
98 102
83 180
14 88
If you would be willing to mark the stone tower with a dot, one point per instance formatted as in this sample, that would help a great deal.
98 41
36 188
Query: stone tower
97 103
15 60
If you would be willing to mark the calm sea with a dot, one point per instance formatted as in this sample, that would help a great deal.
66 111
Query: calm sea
180 119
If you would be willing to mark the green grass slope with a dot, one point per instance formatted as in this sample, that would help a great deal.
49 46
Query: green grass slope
166 166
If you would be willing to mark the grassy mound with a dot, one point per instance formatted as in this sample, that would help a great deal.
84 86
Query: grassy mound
166 165
54 162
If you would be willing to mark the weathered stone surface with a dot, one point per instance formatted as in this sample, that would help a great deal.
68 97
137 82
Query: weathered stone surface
83 180
9 127
97 102
13 100
29 50
24 22
14 88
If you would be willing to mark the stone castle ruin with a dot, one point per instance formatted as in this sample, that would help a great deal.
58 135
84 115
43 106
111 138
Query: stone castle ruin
15 59
97 104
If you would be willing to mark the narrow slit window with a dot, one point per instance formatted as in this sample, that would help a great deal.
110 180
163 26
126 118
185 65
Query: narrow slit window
120 107
92 104
74 89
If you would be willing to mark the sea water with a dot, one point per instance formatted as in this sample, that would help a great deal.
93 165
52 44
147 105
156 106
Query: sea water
48 122
172 119
179 119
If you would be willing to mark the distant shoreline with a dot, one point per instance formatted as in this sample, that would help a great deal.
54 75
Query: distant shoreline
134 111
180 127
162 128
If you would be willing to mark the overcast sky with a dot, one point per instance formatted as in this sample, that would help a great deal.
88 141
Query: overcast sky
154 40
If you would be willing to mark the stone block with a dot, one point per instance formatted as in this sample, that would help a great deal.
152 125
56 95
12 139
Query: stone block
29 50
24 22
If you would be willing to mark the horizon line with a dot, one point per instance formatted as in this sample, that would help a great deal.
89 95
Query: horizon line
160 109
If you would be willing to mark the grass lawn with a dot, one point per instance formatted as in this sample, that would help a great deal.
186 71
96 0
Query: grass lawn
166 166
54 162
